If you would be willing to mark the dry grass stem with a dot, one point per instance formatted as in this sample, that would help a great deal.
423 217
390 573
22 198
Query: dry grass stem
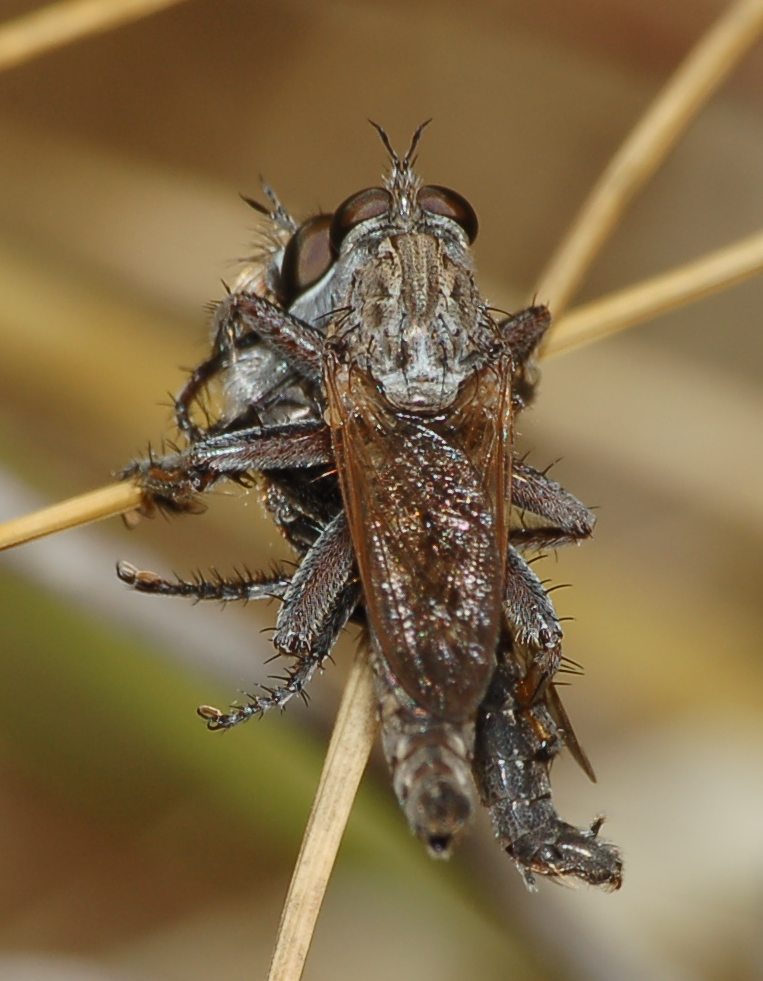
647 146
648 299
57 24
106 502
351 743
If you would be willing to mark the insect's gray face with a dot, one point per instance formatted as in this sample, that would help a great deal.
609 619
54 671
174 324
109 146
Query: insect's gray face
410 312
415 320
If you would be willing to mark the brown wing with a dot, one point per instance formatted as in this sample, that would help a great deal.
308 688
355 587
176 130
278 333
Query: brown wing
425 500
560 717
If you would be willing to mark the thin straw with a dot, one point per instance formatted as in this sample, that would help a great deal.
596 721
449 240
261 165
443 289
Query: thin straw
651 297
106 502
647 146
350 746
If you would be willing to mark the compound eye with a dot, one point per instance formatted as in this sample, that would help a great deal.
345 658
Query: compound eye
373 202
307 257
443 201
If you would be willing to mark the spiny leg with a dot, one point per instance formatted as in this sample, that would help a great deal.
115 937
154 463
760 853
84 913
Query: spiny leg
536 539
544 515
293 444
241 314
190 392
309 607
174 481
514 748
302 503
532 491
533 623
257 384
537 634
242 321
316 607
317 603
225 589
319 634
530 613
523 332
247 587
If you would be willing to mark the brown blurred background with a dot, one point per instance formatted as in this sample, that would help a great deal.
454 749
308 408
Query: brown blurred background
133 844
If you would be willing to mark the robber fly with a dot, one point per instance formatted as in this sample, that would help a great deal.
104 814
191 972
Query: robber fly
363 380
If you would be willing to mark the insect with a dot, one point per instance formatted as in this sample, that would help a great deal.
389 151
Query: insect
366 385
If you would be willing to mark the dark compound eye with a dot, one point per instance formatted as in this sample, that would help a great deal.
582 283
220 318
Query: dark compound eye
443 201
370 203
307 257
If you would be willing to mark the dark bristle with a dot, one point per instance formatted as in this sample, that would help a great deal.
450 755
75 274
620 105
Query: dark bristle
260 208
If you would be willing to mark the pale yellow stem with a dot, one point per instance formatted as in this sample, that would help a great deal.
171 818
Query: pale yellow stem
350 746
646 148
648 299
57 24
106 502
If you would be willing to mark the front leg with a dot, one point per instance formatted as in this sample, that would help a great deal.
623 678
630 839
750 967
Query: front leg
523 332
243 314
174 481
244 322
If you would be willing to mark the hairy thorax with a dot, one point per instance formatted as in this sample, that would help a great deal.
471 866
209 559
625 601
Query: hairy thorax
417 324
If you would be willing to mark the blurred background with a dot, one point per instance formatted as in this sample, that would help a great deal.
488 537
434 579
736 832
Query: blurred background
134 844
